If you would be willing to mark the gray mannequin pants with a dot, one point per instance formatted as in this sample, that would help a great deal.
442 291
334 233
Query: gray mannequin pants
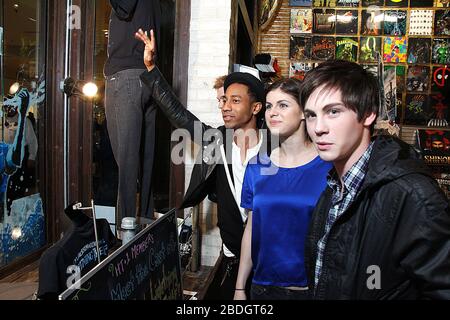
130 115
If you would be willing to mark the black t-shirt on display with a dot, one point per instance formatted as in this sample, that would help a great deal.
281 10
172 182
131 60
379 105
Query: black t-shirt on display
76 248
127 16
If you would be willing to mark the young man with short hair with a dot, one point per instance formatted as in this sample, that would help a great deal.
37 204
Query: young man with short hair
381 229
240 105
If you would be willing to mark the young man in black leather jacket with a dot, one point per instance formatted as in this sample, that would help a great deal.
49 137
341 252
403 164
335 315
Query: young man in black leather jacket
240 108
381 230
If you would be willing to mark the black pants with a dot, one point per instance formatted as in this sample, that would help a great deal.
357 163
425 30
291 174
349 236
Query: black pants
131 128
224 282
259 292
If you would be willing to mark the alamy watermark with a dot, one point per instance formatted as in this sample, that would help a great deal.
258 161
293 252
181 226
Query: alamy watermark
74 273
374 280
74 17
212 143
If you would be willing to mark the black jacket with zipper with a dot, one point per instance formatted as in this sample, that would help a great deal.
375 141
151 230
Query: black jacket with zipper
208 175
399 223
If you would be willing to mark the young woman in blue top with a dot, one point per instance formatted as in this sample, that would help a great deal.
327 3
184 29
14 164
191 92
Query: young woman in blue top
280 193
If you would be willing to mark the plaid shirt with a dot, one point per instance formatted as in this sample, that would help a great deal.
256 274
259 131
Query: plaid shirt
353 180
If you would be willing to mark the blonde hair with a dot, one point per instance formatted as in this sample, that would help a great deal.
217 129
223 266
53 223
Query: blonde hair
219 82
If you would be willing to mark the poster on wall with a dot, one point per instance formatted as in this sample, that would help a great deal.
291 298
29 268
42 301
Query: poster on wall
324 21
389 112
396 3
419 50
370 47
373 69
418 79
323 48
441 51
372 22
300 3
400 76
324 3
268 12
421 3
301 21
347 3
394 49
439 113
395 22
347 48
439 79
421 23
442 23
416 109
346 22
298 70
300 48
442 3
368 3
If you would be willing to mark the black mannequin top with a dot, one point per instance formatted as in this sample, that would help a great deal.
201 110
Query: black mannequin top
78 217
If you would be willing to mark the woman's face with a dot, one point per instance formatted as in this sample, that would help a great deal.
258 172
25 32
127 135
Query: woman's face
283 114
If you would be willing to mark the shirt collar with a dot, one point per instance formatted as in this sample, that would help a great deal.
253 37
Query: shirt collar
354 177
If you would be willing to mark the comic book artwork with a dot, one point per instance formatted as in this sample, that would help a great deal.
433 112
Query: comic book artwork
395 22
389 110
324 3
419 50
301 21
394 49
300 3
416 109
421 23
396 3
298 70
300 48
368 3
372 22
346 22
440 78
324 21
400 72
418 79
421 3
369 48
441 51
442 23
323 48
442 3
347 48
400 76
435 140
373 69
439 116
347 3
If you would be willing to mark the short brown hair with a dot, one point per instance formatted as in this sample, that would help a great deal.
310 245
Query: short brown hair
219 82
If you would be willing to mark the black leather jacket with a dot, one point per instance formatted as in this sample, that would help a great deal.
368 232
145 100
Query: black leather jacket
399 222
208 175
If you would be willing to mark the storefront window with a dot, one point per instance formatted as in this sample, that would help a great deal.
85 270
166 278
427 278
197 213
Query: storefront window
22 85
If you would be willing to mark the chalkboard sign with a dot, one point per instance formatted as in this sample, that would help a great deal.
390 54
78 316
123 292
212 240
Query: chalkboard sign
148 267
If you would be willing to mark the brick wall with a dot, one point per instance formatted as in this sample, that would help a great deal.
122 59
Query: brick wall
275 39
208 59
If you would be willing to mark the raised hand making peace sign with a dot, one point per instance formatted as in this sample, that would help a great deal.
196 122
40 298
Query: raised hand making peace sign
150 47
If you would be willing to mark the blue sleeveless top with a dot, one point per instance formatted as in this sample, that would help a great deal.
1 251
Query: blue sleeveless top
282 201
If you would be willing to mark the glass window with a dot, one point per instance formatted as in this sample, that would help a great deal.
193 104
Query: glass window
22 85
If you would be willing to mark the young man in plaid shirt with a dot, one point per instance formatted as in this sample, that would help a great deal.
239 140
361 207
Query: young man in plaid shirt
381 229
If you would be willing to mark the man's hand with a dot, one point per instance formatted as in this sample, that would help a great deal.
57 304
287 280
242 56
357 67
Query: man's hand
150 46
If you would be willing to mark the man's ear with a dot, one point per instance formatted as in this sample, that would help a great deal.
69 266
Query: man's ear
257 106
370 119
